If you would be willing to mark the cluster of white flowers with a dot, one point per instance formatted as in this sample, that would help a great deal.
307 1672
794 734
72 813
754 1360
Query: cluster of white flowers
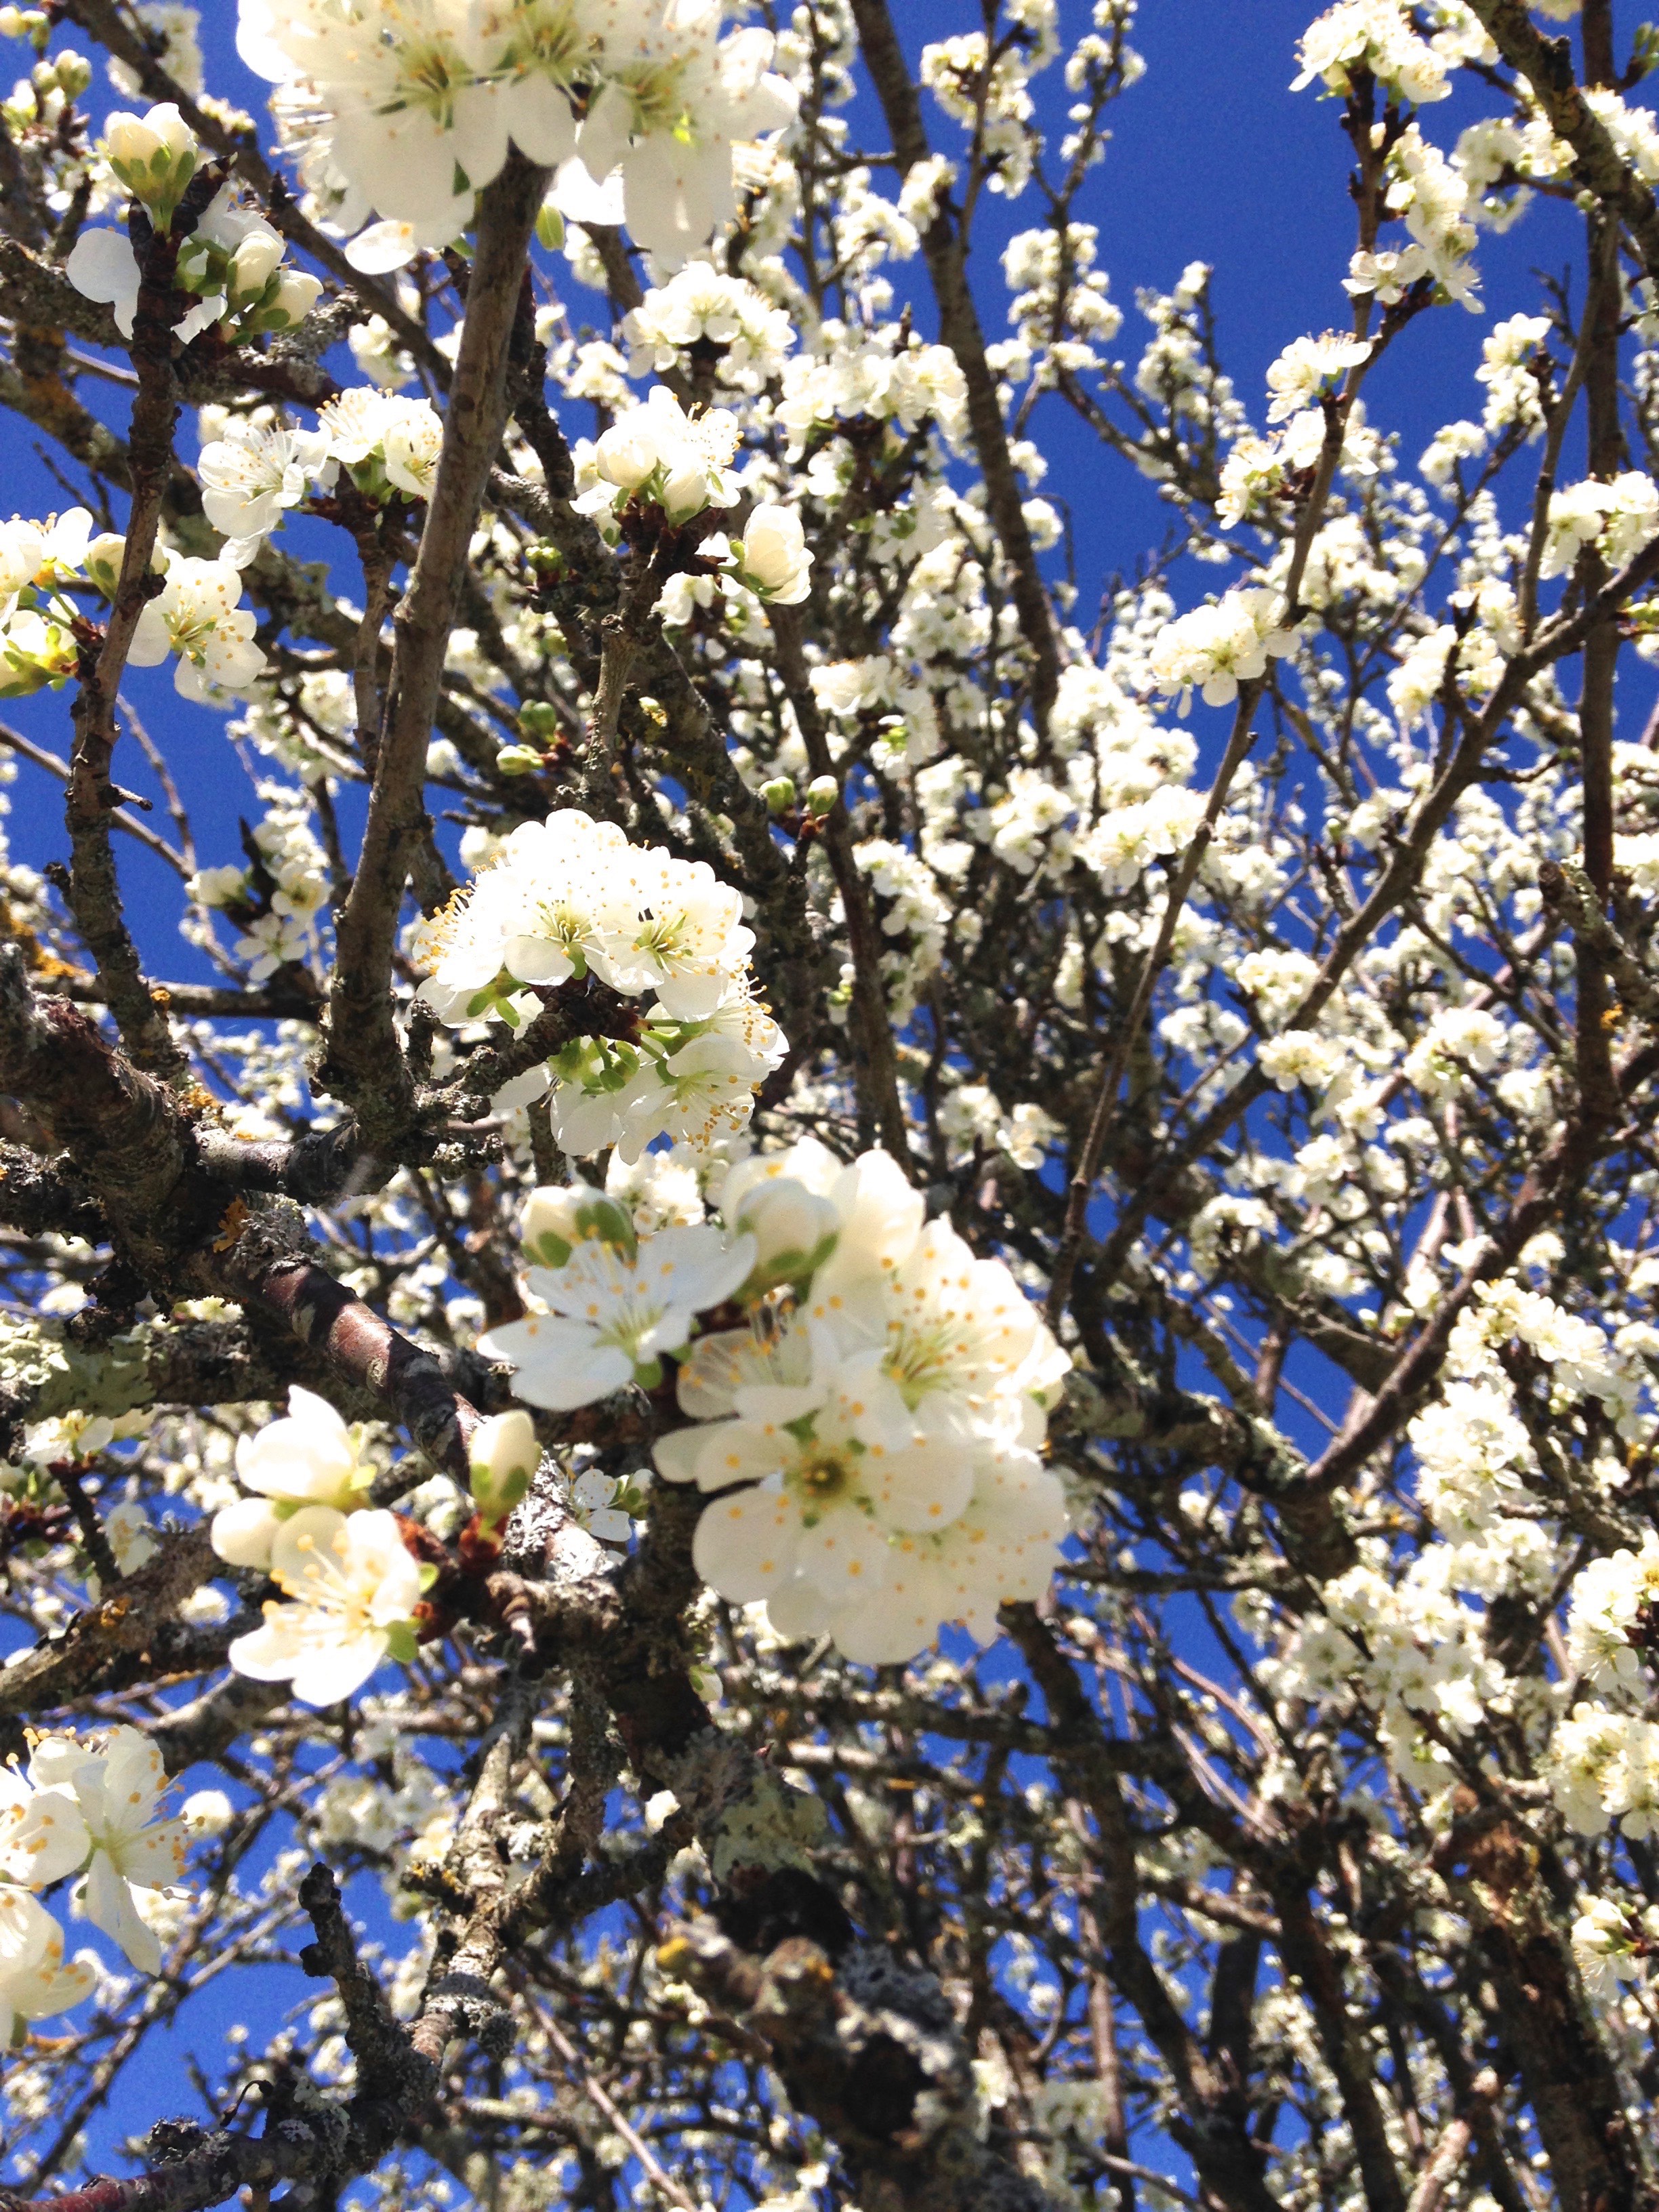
175 31
1609 1942
1494 154
1034 264
1612 1612
913 915
1432 195
86 1808
1603 1766
1310 368
1617 518
972 1117
658 453
410 105
351 1585
1215 648
254 472
198 616
1413 1650
985 89
871 1432
1603 1763
722 317
568 898
1127 839
37 559
231 261
908 722
386 443
252 475
297 866
1508 358
883 376
1376 35
1633 129
377 352
608 1305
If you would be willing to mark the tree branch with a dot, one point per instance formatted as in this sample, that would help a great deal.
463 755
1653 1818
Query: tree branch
364 1063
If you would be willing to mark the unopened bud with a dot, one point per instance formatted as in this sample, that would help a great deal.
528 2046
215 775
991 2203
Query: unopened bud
254 264
518 760
822 794
503 1453
626 453
295 295
794 1230
103 558
780 794
154 155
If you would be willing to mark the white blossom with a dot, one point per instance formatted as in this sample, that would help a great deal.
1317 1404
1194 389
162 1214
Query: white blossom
352 1588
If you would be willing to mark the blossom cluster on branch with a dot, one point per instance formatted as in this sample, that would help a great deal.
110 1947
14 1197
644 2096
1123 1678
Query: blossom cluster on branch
570 901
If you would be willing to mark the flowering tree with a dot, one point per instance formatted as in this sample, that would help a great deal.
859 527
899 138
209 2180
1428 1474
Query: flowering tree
859 1403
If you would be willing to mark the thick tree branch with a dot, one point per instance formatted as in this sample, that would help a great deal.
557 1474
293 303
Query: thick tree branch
364 1064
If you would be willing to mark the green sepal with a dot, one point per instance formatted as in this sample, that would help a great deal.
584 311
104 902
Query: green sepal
496 1501
401 1643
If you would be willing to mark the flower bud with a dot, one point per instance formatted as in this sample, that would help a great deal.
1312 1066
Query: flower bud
778 794
503 1453
537 720
297 294
794 1230
773 555
822 794
684 490
556 1221
626 453
518 760
73 72
154 155
254 264
103 557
